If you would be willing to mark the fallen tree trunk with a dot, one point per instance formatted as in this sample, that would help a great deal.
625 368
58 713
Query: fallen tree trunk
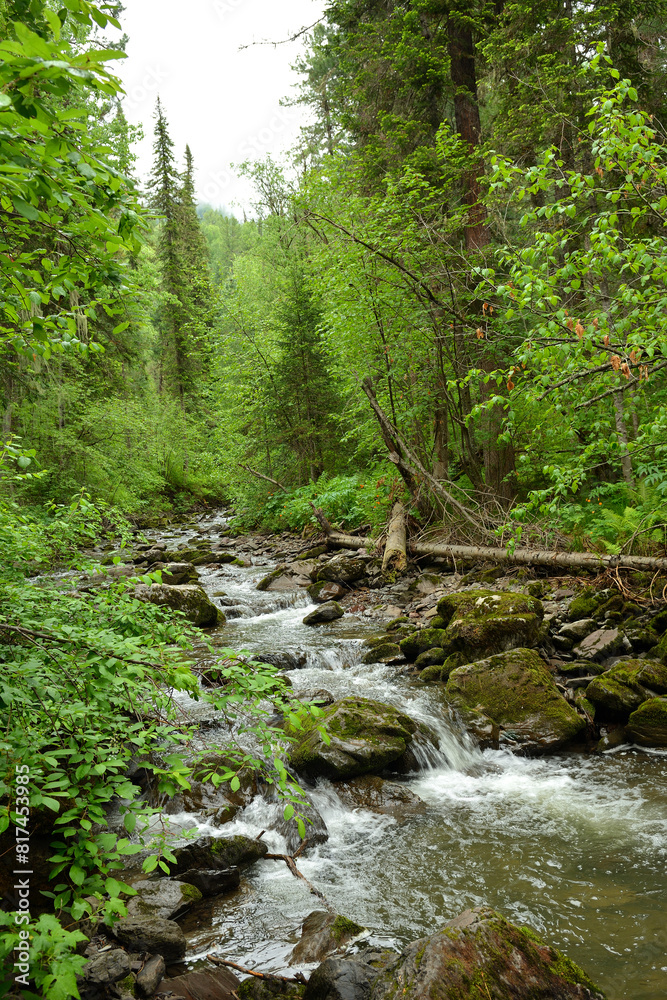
395 559
523 557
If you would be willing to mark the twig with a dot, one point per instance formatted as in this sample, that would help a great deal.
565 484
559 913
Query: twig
289 861
299 978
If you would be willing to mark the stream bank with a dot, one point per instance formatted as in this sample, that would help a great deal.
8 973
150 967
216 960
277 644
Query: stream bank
571 844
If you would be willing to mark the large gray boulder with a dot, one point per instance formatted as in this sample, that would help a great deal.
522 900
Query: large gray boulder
481 956
341 569
109 967
217 852
327 612
167 898
322 934
516 692
190 599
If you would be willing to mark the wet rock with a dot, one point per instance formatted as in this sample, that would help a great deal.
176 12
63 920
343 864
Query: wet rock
626 685
484 622
612 739
326 591
364 736
578 630
325 613
282 583
516 691
190 599
322 934
150 977
389 798
266 581
641 639
175 573
212 881
648 724
601 644
167 898
431 658
441 671
152 934
212 984
253 988
341 979
577 668
316 828
217 852
341 569
480 954
283 660
421 641
320 697
109 967
382 653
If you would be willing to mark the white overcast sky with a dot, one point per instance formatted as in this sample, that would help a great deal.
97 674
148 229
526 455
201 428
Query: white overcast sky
222 100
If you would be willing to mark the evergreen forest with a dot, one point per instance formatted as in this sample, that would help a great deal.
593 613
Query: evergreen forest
448 301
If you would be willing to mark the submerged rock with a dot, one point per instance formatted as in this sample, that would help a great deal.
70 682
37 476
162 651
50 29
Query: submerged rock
516 692
325 613
190 599
322 934
364 736
389 798
648 724
481 955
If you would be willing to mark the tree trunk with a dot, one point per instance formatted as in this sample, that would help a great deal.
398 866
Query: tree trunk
395 559
621 430
466 111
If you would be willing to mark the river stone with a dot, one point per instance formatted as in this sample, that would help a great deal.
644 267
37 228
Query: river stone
152 934
212 881
381 653
210 984
413 645
516 691
326 591
282 583
626 685
325 613
484 622
108 968
431 658
266 581
341 979
217 852
364 736
601 644
341 569
648 724
167 898
316 828
322 934
190 599
578 630
481 955
150 977
388 798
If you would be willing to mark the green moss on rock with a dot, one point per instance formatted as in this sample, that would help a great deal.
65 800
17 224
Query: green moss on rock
648 724
421 640
483 622
516 691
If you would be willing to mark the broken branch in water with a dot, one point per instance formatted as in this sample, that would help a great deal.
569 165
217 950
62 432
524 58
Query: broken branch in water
299 978
290 861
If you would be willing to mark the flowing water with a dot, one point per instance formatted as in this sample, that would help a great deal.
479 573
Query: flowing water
574 845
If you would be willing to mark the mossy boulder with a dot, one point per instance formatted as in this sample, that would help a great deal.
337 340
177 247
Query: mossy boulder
441 672
364 736
326 590
267 580
341 569
648 724
483 622
482 956
382 653
516 691
430 658
584 605
322 934
152 934
191 600
619 691
421 640
327 612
